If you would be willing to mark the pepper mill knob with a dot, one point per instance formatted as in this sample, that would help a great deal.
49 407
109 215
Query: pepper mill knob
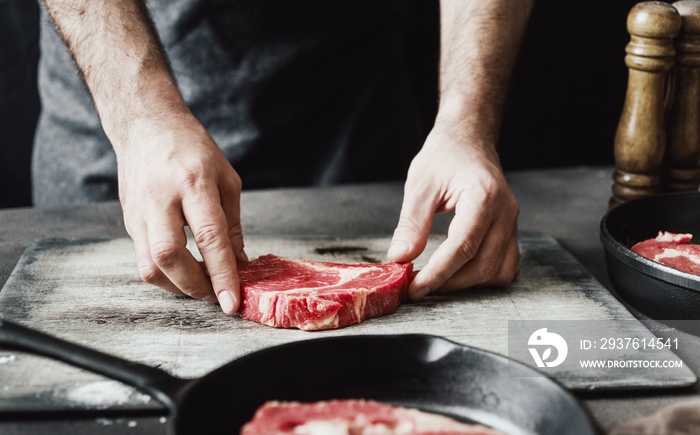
682 165
640 140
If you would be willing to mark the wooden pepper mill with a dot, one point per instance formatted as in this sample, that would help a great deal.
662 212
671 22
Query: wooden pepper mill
640 140
682 163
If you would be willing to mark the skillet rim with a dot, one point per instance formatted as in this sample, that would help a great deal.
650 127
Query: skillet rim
643 265
530 374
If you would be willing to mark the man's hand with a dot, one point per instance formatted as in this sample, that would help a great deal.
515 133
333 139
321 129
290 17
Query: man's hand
171 173
458 167
175 175
481 247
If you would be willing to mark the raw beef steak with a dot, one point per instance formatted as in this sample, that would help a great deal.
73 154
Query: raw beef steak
353 417
312 295
672 250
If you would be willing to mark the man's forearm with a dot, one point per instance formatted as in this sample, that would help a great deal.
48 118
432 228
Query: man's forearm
479 45
119 55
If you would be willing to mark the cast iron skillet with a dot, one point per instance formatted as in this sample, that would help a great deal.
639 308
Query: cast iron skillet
421 371
659 291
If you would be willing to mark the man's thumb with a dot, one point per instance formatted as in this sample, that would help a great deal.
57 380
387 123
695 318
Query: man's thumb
412 231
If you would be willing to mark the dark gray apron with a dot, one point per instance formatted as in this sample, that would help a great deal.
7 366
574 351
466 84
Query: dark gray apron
303 92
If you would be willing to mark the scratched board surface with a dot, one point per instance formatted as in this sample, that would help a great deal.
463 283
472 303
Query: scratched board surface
89 292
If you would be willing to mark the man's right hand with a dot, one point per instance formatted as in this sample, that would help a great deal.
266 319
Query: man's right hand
172 174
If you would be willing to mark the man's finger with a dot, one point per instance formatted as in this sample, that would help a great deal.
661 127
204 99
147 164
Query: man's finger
412 231
209 227
148 270
464 237
231 204
510 268
168 249
496 263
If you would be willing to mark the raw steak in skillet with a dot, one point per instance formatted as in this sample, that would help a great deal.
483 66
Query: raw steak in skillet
354 417
672 250
313 295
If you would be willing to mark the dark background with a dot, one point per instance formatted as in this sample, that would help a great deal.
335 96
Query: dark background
569 86
19 99
563 108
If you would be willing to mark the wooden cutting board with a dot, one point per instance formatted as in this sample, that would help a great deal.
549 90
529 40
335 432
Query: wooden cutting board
89 292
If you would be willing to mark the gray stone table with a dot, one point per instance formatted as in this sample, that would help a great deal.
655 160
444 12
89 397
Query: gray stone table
565 203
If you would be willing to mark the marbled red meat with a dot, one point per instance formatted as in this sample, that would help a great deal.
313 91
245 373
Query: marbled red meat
354 417
672 250
312 295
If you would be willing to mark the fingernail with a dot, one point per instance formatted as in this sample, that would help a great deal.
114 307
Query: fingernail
211 299
420 293
397 248
242 256
226 302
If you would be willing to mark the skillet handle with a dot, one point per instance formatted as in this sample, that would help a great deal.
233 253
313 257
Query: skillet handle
155 382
